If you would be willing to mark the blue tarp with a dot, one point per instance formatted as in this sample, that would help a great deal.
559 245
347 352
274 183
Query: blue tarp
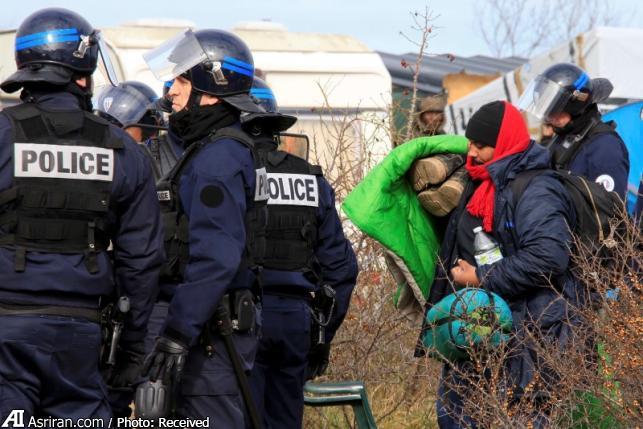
629 121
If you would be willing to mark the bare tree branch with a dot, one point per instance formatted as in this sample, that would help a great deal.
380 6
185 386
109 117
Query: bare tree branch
526 27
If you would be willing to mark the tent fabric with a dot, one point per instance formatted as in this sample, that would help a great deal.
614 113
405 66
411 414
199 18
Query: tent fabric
629 124
385 207
607 52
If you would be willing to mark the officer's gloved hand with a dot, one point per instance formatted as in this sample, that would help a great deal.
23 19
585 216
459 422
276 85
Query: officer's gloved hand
166 361
129 362
318 358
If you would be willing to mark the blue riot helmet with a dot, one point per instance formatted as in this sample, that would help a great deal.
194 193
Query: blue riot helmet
271 119
263 95
130 103
53 45
563 88
216 62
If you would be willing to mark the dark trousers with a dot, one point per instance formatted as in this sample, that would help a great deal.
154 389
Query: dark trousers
278 377
209 386
449 404
49 368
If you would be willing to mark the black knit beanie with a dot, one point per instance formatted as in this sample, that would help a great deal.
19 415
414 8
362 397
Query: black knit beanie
484 125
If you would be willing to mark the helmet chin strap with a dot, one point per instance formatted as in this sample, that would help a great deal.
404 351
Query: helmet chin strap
569 126
194 101
565 129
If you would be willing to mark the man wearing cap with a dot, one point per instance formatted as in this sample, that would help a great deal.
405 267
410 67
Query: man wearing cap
534 238
430 117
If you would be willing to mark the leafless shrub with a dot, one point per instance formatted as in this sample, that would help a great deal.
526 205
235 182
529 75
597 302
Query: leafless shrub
525 27
376 343
592 380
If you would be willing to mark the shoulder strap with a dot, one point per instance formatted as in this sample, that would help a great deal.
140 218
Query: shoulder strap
236 134
176 171
30 123
596 126
315 170
22 111
603 128
26 121
243 138
96 127
520 183
194 148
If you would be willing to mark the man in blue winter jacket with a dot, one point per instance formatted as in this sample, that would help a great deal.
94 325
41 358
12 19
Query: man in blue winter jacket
534 238
564 97
71 184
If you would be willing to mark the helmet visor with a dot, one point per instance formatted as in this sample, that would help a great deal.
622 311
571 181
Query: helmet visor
294 144
105 62
544 97
123 103
175 56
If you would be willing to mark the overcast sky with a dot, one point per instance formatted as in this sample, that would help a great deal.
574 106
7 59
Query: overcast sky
377 23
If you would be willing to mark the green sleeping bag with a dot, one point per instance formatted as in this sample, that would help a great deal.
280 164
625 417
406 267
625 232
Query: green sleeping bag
467 319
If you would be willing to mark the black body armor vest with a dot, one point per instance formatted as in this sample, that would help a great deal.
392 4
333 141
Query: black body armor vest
176 223
565 148
162 155
61 193
291 235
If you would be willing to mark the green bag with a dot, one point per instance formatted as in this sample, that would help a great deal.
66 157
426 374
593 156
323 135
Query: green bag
469 318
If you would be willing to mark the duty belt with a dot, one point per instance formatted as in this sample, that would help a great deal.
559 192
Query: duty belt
297 292
49 310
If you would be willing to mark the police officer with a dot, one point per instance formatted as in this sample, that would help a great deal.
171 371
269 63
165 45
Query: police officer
566 98
306 254
219 194
70 183
135 107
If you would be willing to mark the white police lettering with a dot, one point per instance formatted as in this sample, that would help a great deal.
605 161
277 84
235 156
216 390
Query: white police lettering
63 162
293 189
261 184
607 181
163 195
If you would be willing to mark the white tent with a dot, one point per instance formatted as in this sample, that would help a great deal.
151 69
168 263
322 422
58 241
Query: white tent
613 53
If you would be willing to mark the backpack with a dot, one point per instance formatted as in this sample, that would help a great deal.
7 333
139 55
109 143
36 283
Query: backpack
596 208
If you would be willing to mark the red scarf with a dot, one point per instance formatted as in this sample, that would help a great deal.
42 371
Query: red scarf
513 138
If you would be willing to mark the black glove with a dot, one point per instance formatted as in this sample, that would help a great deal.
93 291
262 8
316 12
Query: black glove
318 357
166 361
129 362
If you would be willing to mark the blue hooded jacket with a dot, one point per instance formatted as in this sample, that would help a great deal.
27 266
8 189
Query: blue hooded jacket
535 239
